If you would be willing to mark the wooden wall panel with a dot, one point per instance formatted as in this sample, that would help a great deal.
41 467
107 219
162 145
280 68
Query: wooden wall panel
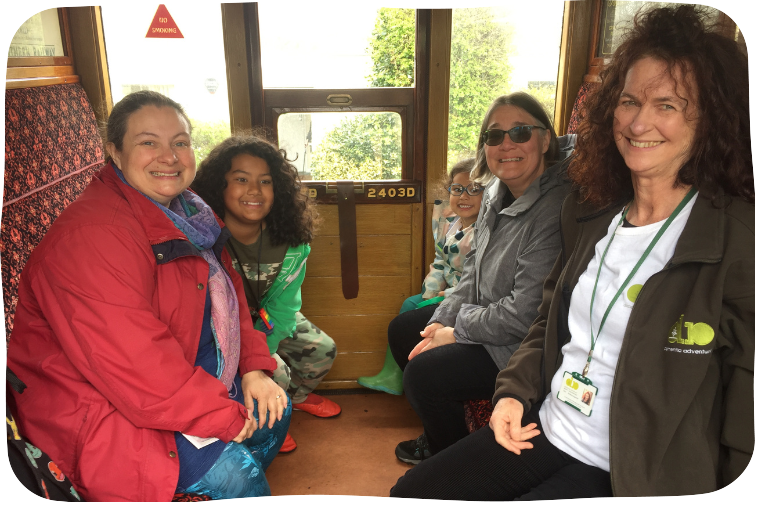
378 219
377 255
362 331
574 58
377 295
428 239
237 69
91 63
418 266
350 366
389 271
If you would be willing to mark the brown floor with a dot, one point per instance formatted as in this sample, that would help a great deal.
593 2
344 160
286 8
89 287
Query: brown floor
351 454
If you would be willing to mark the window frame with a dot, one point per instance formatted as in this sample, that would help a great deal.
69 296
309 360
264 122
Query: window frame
267 104
33 71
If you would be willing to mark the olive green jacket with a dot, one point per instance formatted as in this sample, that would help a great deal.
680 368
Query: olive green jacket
681 409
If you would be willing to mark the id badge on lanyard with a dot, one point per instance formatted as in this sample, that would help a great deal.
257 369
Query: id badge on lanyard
578 392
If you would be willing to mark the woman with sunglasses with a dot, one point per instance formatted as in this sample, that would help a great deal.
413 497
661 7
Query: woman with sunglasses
453 352
452 229
636 379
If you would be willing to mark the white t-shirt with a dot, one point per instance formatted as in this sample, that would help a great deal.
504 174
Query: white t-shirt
587 438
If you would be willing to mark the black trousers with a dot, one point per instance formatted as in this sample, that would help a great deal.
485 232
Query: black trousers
478 468
438 381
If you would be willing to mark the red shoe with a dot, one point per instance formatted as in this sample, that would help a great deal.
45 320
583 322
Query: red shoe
318 406
289 444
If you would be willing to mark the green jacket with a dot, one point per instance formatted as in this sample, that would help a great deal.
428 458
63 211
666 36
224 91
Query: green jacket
282 300
681 409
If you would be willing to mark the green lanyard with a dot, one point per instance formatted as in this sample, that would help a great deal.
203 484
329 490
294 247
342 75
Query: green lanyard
658 235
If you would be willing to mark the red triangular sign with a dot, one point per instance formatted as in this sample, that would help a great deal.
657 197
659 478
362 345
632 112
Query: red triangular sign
163 26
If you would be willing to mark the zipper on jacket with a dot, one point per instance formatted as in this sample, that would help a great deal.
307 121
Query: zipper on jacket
666 268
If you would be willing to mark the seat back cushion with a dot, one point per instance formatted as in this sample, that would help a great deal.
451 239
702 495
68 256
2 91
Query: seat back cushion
578 110
52 149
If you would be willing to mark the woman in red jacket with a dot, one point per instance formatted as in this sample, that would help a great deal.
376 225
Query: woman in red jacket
145 376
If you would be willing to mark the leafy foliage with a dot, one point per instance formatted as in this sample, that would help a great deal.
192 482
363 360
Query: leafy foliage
365 147
392 48
206 135
479 73
545 95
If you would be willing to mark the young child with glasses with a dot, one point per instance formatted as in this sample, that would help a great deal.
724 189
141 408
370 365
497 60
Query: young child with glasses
252 186
453 230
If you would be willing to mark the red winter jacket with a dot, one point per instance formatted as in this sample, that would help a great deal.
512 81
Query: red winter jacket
106 333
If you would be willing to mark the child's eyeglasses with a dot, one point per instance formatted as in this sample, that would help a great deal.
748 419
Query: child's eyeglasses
518 134
458 189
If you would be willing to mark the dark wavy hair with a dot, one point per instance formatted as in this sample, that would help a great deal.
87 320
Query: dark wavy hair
464 165
481 172
118 120
292 219
715 72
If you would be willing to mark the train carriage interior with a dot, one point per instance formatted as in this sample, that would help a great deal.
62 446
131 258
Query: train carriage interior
372 104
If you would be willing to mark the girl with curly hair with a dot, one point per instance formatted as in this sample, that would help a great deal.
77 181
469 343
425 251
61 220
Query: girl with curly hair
250 184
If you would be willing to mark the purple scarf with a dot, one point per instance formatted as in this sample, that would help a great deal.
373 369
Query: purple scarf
195 219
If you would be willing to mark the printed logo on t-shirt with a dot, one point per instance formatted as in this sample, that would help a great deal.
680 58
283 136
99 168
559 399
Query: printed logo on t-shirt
633 292
631 295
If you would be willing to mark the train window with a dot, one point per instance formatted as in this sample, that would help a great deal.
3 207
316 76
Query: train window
335 48
177 50
328 146
499 50
341 100
39 53
616 17
40 35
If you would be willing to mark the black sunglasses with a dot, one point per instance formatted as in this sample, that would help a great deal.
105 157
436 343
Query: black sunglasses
518 134
458 189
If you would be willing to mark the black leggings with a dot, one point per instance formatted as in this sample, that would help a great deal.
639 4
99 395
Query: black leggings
438 381
404 331
478 468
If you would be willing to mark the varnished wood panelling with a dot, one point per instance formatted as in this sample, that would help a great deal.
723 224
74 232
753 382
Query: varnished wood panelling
88 44
439 97
39 81
352 365
418 268
379 219
574 59
237 70
31 72
377 255
428 239
376 295
356 333
327 383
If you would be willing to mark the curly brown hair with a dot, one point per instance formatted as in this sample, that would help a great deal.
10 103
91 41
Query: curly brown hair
292 218
715 71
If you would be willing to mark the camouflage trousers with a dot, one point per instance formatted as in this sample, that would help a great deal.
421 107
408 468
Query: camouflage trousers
303 359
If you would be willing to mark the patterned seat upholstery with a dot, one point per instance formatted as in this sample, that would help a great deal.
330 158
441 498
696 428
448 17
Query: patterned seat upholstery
576 112
52 149
477 412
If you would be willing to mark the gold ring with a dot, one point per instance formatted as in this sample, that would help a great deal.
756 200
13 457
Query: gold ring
278 396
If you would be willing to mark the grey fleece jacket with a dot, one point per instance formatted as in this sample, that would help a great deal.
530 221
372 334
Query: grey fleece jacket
500 289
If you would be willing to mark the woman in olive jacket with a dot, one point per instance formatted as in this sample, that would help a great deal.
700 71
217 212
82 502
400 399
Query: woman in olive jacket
636 378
